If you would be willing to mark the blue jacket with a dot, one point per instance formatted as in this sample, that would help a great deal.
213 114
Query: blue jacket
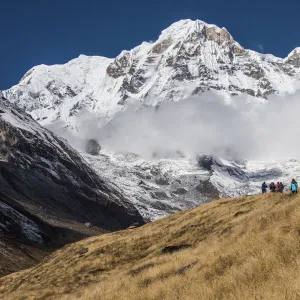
294 187
264 186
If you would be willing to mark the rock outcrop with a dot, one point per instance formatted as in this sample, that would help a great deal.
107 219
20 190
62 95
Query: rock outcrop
92 147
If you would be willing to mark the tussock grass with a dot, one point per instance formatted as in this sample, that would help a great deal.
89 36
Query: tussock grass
243 248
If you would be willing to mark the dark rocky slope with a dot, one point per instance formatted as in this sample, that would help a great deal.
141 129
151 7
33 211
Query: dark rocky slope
48 192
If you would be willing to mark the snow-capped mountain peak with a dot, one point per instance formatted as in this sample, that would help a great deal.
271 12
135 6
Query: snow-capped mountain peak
293 58
188 58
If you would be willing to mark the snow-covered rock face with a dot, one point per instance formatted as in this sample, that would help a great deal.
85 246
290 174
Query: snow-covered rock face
189 58
163 186
293 58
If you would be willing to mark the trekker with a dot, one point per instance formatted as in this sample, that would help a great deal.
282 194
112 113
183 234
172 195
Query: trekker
264 188
277 187
272 187
294 187
281 187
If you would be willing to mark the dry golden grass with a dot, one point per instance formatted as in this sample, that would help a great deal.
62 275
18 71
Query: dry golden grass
243 248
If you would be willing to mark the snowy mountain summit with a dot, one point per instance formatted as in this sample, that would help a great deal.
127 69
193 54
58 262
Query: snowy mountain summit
189 58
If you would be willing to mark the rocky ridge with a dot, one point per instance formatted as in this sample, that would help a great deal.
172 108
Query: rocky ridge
48 192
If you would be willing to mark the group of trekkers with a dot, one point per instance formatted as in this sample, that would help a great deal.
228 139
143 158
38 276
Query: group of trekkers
279 187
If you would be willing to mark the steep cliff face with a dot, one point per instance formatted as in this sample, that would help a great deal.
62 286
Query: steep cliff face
47 191
47 171
189 58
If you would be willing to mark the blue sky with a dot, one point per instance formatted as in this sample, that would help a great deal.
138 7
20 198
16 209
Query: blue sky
34 32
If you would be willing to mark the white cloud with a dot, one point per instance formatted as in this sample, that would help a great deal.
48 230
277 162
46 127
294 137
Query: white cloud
261 48
204 124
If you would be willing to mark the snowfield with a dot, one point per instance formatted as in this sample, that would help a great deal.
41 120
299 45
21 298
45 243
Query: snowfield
163 186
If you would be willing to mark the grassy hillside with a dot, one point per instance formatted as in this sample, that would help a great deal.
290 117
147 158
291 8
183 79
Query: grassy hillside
244 248
18 254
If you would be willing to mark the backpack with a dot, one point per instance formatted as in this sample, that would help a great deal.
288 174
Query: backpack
294 187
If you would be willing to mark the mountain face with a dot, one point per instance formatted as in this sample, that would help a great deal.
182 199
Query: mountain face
48 192
189 58
161 187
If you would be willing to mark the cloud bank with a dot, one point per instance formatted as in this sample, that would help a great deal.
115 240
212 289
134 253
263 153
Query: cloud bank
240 128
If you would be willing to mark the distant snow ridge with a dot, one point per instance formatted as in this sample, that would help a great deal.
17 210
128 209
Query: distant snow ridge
189 58
160 187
